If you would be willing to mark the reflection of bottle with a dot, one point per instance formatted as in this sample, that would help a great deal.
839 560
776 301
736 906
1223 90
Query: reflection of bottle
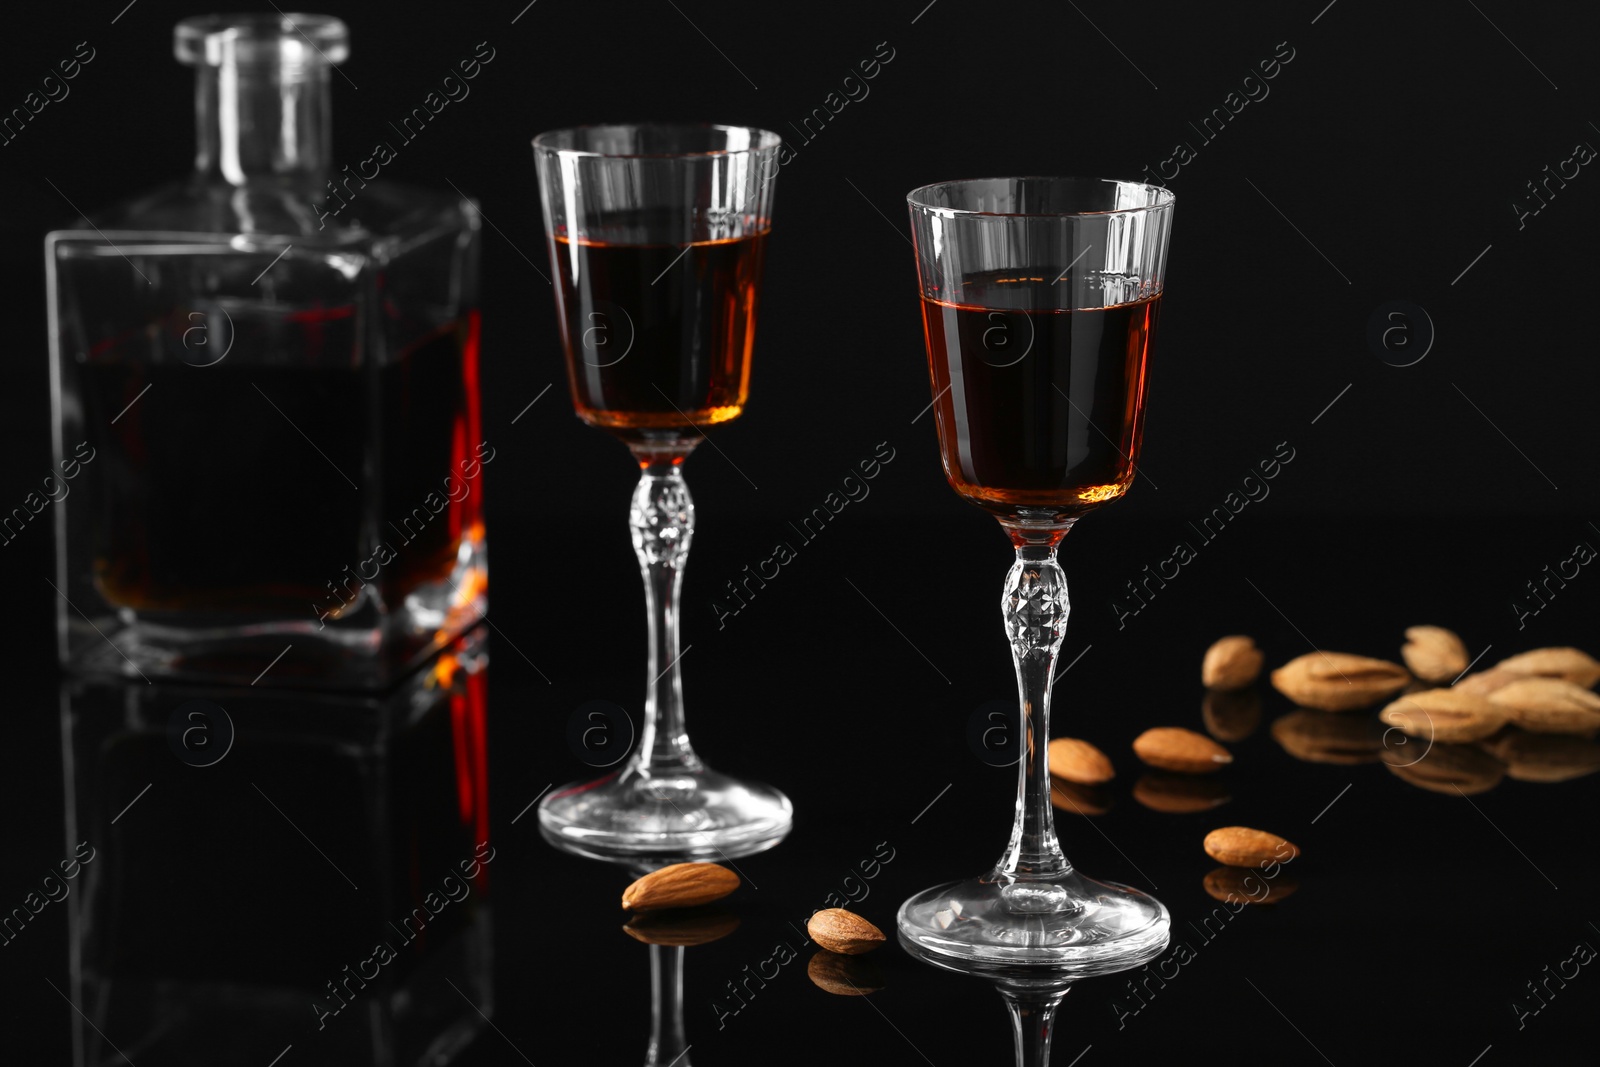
304 869
266 389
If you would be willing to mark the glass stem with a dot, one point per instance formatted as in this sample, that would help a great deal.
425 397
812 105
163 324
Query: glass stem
662 521
1035 609
1032 1021
668 1041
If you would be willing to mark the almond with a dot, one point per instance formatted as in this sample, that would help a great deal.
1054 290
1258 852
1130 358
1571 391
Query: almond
1339 681
1229 884
1544 757
1434 654
1240 846
1485 682
680 885
1231 714
1179 794
844 976
1079 761
1172 748
1549 705
1445 768
1232 663
681 928
845 932
1445 715
1570 664
1317 738
1083 799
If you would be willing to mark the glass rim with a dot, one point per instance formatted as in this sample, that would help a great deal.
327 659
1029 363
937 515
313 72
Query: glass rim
917 198
767 140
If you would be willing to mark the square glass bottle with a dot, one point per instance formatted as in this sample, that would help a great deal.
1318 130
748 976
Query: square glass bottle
265 388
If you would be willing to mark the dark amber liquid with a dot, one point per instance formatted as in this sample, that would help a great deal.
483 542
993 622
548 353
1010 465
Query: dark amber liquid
1037 406
658 337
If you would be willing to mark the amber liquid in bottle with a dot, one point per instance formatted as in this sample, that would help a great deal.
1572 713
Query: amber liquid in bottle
1038 406
658 336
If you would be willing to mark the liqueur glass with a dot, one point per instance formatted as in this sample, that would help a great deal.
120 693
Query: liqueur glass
656 236
1039 303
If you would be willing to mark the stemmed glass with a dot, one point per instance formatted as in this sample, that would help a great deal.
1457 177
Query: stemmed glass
1039 302
656 236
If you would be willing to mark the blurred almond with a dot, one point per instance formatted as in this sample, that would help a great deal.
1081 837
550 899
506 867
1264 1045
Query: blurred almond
845 932
1549 705
1317 738
1544 757
1241 846
1339 681
1231 714
682 928
1079 761
1082 799
1172 748
1228 884
1434 654
844 976
1448 715
1485 682
1232 663
1446 768
680 885
1179 794
1569 664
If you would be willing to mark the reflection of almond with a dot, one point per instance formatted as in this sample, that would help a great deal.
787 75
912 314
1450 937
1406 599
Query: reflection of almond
1172 748
1445 768
1232 663
1083 799
844 976
1569 664
1079 761
1231 714
1434 654
1445 715
1229 884
1544 757
1549 705
680 885
1240 846
681 928
1317 738
1179 794
1339 681
845 932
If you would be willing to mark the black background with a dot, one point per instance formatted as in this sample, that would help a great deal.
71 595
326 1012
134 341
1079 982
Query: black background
1393 145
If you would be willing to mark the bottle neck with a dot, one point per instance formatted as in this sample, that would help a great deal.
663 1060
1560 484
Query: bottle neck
263 120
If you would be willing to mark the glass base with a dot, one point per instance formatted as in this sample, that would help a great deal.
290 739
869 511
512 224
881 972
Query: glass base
1072 923
698 814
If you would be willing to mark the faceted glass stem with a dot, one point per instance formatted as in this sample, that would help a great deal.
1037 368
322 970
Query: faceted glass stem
668 1040
662 522
1032 1022
1035 608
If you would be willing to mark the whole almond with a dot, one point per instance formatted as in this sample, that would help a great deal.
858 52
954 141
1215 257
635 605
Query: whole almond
1447 715
1179 794
680 885
1339 681
1317 738
1228 884
1082 799
1434 654
1240 846
1079 761
1544 757
1550 705
1574 666
681 928
1172 748
843 976
1446 768
845 932
1232 663
1485 682
1231 714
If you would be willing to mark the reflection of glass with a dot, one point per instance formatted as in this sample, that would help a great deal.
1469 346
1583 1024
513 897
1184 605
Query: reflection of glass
264 845
266 394
1039 302
657 235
